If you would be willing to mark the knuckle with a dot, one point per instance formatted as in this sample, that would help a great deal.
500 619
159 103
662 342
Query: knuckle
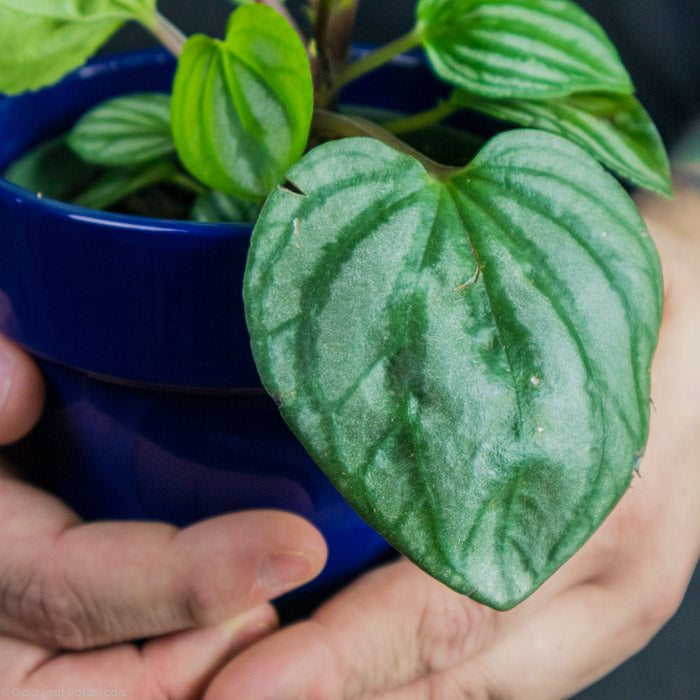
449 628
204 602
208 591
54 610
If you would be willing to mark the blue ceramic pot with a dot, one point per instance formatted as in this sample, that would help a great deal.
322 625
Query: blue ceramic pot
155 409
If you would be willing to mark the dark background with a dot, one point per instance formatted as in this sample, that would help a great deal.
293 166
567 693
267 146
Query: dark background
659 41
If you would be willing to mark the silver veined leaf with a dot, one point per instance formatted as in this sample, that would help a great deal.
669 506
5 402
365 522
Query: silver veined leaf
124 130
614 129
531 49
468 359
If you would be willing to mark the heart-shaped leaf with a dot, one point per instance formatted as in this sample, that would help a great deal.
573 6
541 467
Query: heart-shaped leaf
468 359
124 130
614 129
241 109
529 49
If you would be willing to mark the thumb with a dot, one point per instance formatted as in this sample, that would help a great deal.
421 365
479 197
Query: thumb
21 392
71 585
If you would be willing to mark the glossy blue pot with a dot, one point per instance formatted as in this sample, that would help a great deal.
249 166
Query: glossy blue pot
155 409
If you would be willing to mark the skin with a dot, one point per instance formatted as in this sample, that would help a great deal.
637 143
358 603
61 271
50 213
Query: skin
393 633
397 634
72 594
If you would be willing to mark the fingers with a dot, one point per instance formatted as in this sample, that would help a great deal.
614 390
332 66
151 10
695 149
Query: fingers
184 663
575 639
396 633
399 635
392 626
74 586
21 392
176 667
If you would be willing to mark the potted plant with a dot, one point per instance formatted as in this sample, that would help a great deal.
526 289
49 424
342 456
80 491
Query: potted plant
463 348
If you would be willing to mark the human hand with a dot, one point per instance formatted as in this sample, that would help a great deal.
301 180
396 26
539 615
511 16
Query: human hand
396 633
199 594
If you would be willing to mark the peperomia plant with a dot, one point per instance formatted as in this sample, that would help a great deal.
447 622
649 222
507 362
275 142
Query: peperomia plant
465 350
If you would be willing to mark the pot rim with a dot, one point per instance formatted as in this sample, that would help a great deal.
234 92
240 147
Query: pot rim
155 302
111 63
104 65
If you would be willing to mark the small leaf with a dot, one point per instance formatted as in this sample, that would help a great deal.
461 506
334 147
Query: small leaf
124 130
468 360
212 207
117 183
241 109
79 10
51 169
614 129
519 48
38 51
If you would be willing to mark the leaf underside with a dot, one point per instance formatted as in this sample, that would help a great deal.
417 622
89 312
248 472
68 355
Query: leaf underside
614 129
467 360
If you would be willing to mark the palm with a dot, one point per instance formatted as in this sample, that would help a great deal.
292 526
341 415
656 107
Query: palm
396 633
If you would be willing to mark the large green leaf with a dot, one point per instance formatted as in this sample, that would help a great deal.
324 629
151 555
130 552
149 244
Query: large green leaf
241 108
124 130
468 360
38 51
614 129
83 9
519 48
42 40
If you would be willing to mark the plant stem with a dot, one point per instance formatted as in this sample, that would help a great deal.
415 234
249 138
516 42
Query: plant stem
167 33
331 125
421 120
334 23
377 58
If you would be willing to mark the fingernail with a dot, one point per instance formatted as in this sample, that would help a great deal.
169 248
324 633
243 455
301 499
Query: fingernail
247 628
284 571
